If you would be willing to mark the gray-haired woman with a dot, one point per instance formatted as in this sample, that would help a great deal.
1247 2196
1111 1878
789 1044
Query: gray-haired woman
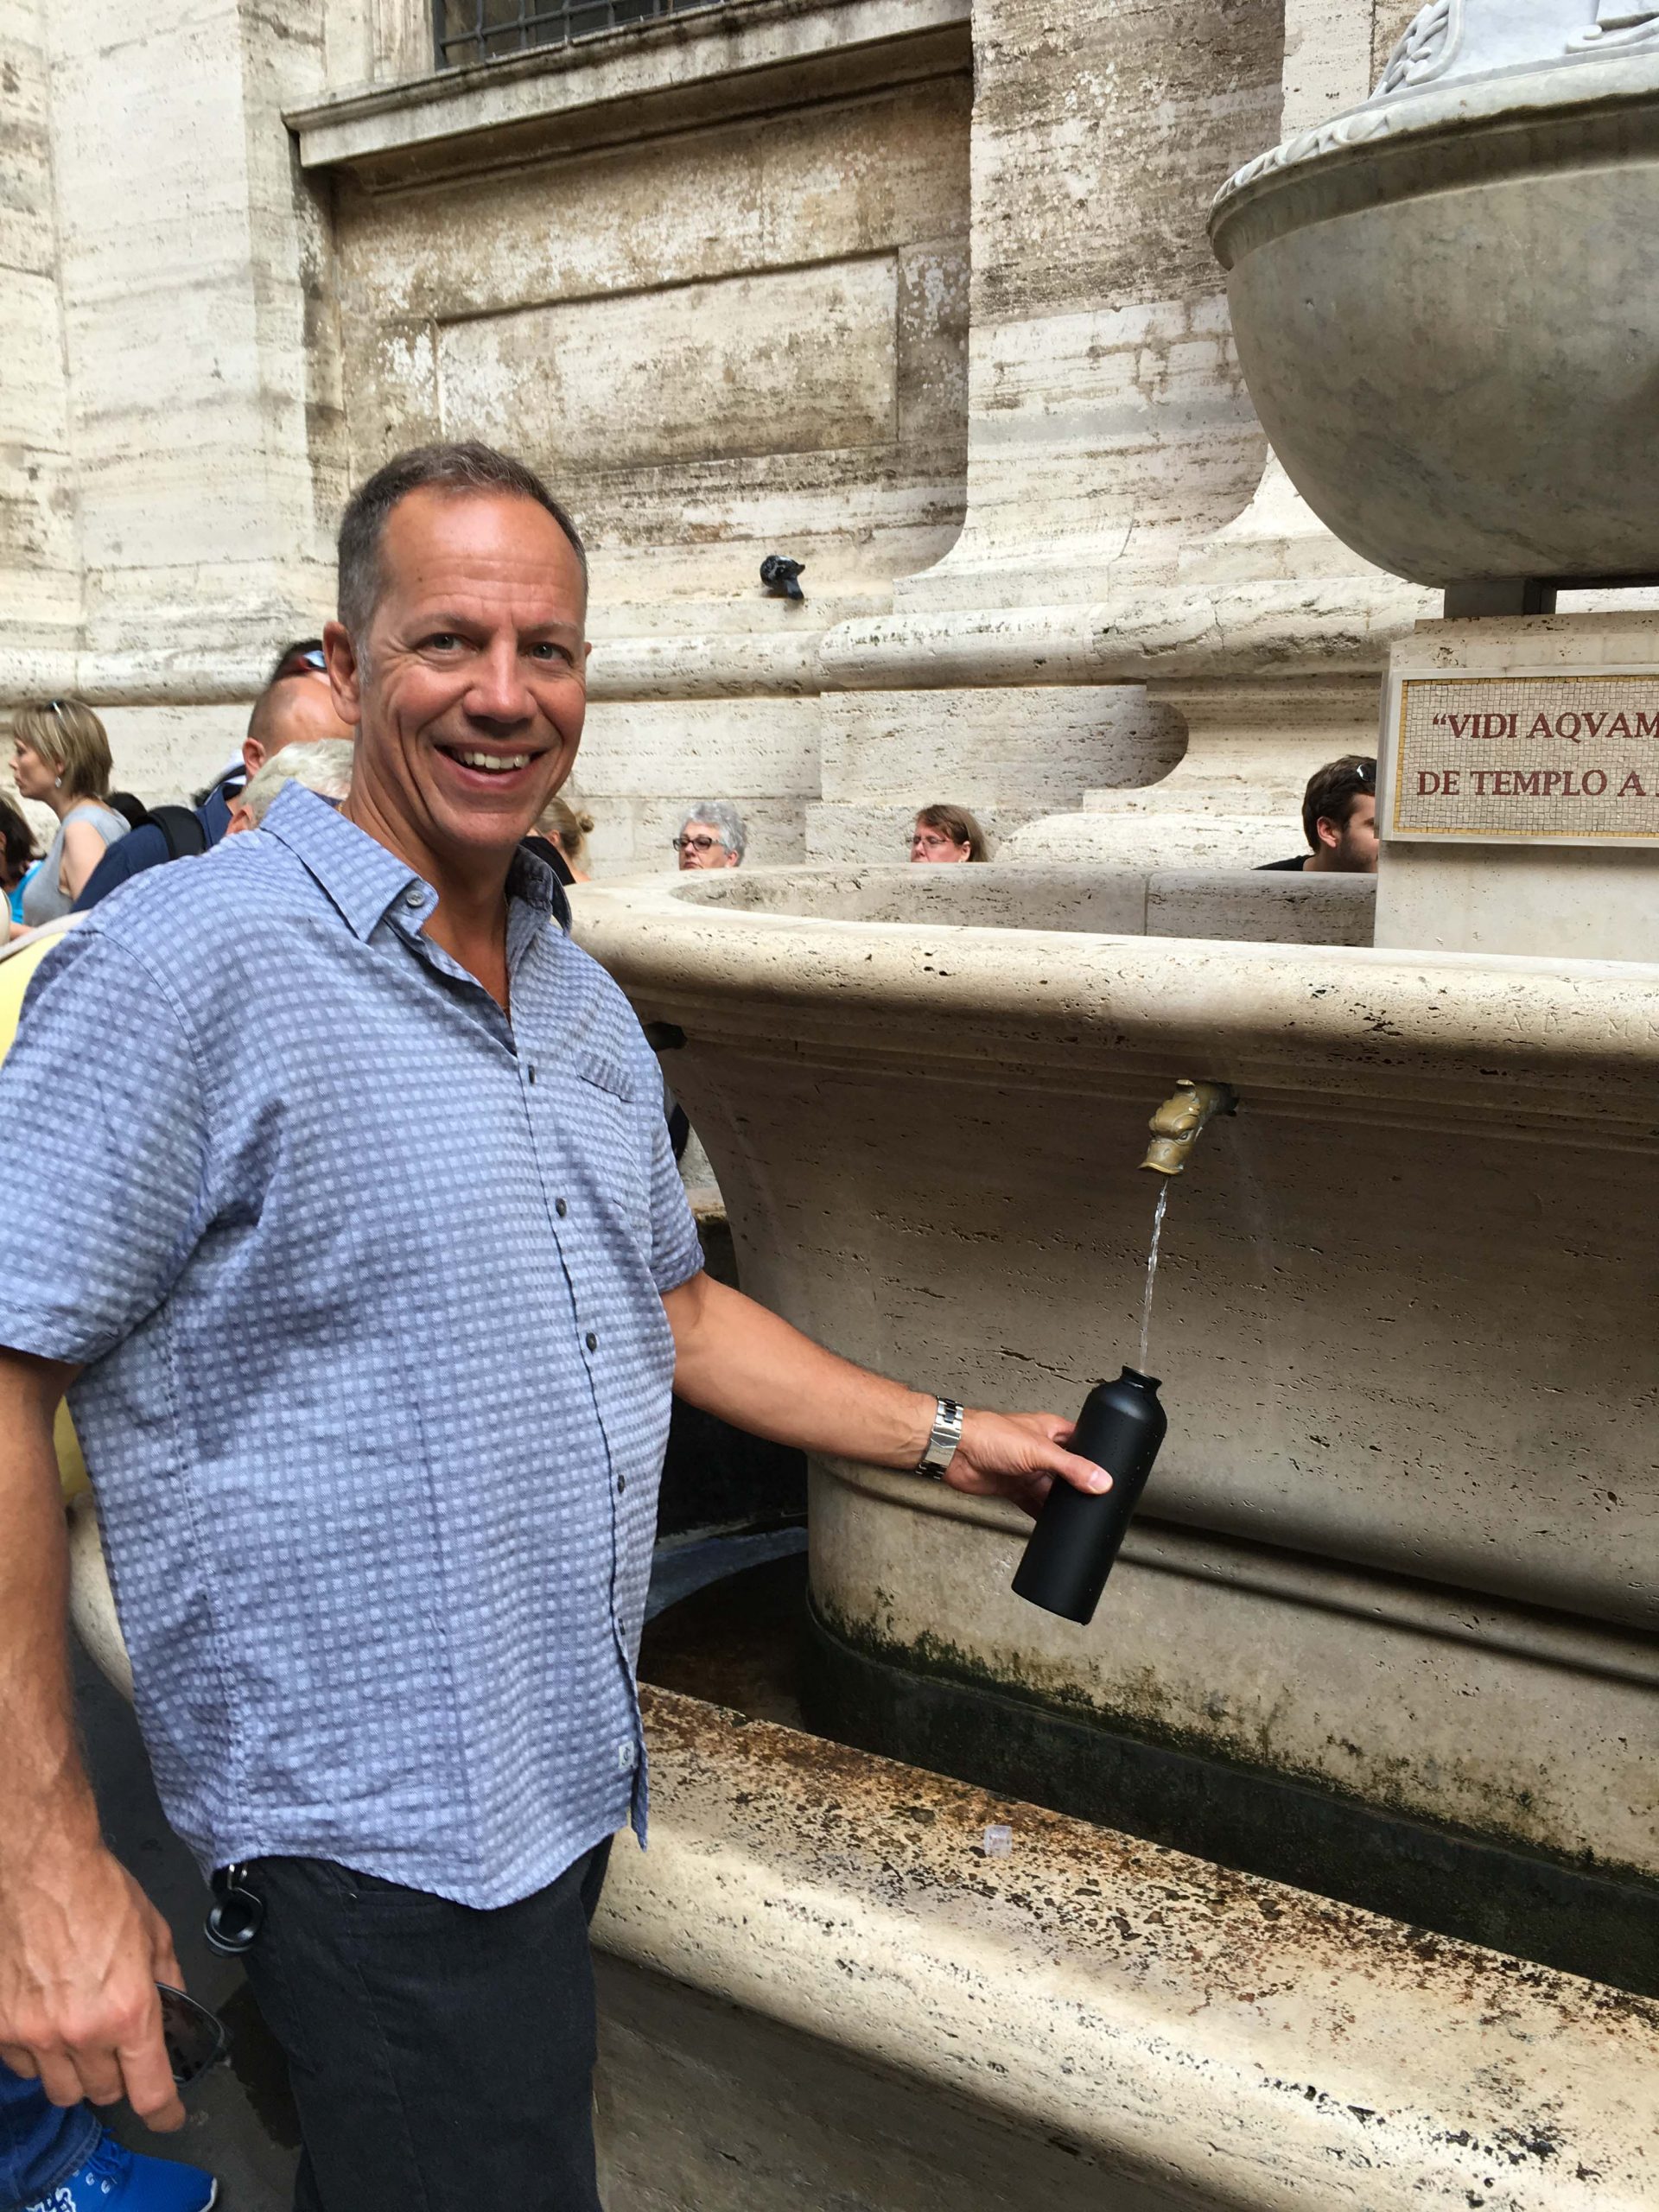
712 836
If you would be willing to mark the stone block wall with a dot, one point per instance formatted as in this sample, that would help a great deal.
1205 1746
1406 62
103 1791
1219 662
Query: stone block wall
40 567
718 344
1110 420
915 291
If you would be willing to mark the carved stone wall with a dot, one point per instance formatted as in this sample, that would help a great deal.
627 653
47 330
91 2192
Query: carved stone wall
39 569
1107 416
715 343
713 274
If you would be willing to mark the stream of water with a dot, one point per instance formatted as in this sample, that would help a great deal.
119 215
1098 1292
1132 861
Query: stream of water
1152 1275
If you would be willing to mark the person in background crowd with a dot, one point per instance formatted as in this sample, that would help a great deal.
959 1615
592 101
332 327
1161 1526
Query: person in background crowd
1338 820
712 836
17 857
324 767
567 831
947 833
295 707
61 757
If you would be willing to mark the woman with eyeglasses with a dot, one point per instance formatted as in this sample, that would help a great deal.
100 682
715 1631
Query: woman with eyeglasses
943 834
711 835
60 757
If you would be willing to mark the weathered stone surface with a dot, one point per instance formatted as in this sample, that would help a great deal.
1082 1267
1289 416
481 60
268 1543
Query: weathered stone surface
1496 443
745 339
1437 1160
198 388
770 204
1184 2037
783 300
1106 422
40 567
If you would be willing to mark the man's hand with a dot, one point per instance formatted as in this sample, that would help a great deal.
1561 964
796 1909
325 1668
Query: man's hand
81 1950
1019 1456
81 1947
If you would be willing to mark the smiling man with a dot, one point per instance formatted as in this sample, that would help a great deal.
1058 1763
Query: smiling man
346 1091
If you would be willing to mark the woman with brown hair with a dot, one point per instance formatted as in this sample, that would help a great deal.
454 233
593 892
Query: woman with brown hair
17 856
947 833
60 757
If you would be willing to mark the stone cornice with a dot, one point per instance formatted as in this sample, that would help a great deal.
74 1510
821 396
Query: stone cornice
1288 631
681 73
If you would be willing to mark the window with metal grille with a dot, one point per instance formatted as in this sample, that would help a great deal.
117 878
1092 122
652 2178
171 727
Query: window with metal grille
484 31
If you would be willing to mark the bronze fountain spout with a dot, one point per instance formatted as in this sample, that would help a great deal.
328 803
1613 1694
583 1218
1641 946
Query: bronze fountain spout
1176 1124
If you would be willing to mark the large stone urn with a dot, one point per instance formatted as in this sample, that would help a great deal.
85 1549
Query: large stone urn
1446 300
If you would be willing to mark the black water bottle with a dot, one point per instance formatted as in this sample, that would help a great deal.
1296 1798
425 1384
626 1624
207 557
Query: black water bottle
1069 1553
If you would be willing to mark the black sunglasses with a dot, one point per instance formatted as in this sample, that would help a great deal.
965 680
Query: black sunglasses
195 2038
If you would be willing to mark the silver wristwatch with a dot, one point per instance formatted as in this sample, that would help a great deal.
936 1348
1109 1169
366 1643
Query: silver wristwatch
943 1439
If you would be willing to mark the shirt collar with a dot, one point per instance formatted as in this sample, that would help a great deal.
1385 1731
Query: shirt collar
364 878
531 880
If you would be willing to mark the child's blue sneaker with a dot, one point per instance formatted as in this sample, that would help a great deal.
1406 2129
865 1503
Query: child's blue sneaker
114 2180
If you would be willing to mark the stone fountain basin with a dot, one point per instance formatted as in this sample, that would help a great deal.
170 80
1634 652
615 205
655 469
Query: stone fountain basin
1446 313
1237 903
1404 1316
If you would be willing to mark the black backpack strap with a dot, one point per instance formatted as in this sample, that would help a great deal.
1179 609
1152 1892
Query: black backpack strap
181 829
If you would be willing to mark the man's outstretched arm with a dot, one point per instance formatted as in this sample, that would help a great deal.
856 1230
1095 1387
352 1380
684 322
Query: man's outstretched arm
81 1947
736 1359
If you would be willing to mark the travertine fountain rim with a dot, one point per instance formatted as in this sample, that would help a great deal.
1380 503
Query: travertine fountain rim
1532 1046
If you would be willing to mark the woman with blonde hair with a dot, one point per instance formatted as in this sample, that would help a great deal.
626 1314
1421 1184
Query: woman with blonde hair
563 827
60 759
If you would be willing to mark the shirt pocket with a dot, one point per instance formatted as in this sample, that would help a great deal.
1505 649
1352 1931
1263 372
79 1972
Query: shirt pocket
615 1132
604 1074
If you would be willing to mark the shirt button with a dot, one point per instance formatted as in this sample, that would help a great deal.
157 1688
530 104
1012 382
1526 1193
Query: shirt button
529 1071
593 1341
621 1484
624 1758
412 898
560 1208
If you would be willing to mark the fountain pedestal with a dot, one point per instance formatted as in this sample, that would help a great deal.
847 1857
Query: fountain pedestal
1519 798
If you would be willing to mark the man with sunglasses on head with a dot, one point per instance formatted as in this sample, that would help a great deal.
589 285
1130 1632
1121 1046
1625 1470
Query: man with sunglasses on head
363 1101
295 707
1339 819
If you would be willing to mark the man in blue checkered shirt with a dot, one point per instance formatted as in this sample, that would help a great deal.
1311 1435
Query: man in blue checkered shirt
344 1091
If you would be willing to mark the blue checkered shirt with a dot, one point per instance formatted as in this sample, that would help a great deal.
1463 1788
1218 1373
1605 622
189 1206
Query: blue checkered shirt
366 1282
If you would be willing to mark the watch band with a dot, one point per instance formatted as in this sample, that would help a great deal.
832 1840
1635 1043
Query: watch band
942 1439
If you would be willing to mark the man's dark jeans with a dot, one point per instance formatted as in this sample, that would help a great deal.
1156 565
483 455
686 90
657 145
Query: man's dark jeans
441 2058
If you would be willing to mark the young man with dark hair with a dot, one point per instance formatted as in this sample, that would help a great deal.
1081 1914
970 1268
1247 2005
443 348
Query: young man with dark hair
1339 819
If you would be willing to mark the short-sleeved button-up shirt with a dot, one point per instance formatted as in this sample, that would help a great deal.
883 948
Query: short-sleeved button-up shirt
366 1280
